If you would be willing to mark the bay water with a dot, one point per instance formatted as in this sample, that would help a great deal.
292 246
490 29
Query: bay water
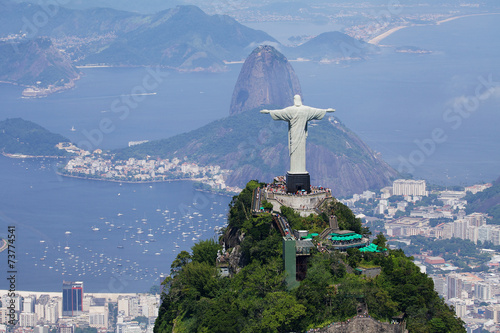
123 237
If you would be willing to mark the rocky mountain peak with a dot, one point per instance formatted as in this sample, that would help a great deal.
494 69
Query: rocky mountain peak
266 78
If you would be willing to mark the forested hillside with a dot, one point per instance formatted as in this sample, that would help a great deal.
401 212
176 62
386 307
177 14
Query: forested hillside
256 299
18 136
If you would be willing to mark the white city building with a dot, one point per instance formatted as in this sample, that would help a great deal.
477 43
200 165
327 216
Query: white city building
409 187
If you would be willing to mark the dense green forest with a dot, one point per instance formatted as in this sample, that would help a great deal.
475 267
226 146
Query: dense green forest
256 299
18 136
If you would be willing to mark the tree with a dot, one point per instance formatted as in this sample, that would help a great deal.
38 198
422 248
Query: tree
155 289
353 257
196 280
380 240
346 218
180 261
267 205
206 251
282 313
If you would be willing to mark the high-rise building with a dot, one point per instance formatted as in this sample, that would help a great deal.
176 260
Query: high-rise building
29 304
27 319
98 313
454 286
476 219
72 298
482 291
52 313
123 305
492 312
460 228
409 187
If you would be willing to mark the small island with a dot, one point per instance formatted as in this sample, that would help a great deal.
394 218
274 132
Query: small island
412 50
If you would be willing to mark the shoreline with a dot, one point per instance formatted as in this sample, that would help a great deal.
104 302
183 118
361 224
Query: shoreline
225 193
21 156
377 39
26 293
462 16
125 181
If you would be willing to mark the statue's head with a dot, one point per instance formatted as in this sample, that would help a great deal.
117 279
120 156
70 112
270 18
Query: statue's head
297 101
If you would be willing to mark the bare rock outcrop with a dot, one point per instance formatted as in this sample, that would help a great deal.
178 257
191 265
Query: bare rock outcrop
266 78
362 324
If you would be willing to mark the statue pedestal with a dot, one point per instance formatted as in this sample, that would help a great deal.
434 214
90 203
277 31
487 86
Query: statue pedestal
298 182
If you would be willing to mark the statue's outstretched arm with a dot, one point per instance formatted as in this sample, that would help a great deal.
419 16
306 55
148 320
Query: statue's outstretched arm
322 110
271 111
281 114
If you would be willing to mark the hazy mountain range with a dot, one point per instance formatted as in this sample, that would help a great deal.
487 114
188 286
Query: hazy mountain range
183 38
307 9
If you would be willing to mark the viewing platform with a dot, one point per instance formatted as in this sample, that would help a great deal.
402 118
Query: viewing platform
304 202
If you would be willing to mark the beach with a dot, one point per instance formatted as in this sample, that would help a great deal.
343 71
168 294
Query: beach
376 40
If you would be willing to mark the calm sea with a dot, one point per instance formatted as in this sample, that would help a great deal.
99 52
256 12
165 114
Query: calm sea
393 101
114 237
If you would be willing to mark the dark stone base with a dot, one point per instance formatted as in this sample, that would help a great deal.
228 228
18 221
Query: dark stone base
298 182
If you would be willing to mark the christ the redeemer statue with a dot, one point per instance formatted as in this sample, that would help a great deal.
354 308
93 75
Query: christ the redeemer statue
297 117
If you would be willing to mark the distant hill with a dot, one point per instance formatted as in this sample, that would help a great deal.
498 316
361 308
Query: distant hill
144 6
18 136
487 201
332 45
35 63
62 21
185 38
254 146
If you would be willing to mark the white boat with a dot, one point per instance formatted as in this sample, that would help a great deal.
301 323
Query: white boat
68 232
73 129
95 229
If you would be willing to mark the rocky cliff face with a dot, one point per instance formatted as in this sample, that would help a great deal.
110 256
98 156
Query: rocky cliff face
366 325
35 63
266 78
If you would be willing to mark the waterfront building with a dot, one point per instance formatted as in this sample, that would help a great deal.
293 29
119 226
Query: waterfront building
72 298
98 313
